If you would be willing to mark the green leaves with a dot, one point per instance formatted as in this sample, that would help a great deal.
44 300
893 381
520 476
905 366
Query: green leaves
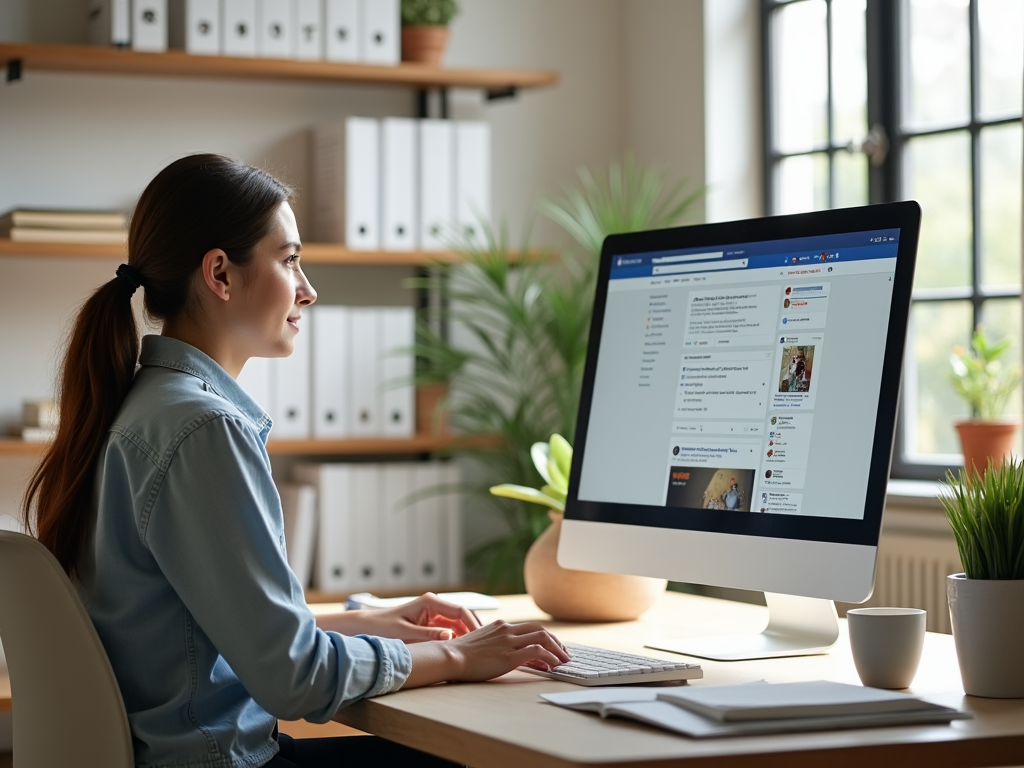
986 514
981 378
428 11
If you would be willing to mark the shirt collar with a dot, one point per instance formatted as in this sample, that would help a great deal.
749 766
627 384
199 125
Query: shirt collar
166 352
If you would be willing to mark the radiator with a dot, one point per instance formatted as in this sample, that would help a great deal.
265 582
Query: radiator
912 571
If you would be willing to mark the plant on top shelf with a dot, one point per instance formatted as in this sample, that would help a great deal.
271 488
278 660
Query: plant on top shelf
986 383
519 324
425 29
986 601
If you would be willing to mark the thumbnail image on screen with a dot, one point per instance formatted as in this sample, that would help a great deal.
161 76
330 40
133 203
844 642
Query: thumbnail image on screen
710 488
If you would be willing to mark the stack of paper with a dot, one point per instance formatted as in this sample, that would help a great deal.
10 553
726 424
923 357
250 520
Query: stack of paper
64 226
757 708
39 421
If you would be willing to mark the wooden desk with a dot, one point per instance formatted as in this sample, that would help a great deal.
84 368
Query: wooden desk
503 724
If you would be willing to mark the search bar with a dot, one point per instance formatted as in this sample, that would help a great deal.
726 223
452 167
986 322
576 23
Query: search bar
678 268
688 257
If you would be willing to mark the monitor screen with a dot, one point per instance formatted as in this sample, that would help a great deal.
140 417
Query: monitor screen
743 378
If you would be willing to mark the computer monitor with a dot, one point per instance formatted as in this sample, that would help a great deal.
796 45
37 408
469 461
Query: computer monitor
738 409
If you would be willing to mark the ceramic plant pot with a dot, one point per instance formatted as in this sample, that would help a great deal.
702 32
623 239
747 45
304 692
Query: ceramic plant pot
988 628
431 414
424 43
569 595
982 440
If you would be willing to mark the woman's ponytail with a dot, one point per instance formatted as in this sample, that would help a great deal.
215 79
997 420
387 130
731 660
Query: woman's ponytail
195 204
97 372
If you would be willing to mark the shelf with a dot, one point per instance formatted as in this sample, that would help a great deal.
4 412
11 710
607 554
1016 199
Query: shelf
382 446
88 58
312 253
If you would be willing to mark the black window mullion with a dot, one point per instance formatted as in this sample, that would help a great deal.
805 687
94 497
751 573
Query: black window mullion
883 41
829 122
975 129
768 109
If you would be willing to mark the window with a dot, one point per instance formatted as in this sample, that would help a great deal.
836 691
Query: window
879 100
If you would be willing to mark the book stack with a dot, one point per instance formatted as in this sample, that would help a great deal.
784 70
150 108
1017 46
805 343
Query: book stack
36 226
39 421
758 708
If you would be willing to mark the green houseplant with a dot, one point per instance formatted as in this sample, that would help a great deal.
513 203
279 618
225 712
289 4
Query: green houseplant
986 601
425 29
520 321
566 594
985 382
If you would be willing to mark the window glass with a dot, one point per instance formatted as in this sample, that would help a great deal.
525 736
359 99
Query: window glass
931 406
851 179
800 65
938 175
937 62
849 72
801 183
1001 204
1001 27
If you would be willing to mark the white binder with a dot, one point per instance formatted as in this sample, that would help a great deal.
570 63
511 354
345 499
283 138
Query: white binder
436 184
472 178
398 394
365 515
330 326
110 22
290 391
194 25
396 525
149 25
274 37
380 32
298 506
255 380
454 547
428 526
364 418
332 571
398 184
308 24
238 27
346 183
341 30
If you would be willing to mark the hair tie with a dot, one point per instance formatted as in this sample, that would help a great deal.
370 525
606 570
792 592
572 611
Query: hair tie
131 274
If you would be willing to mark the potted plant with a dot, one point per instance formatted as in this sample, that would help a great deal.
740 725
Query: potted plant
425 29
986 601
514 359
986 383
565 594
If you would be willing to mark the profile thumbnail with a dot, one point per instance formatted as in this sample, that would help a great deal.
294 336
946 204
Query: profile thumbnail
710 488
795 373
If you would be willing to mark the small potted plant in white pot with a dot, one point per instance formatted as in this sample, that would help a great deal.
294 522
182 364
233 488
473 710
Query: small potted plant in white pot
986 601
982 379
425 29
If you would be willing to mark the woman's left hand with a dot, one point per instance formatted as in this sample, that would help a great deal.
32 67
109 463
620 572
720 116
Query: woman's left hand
428 617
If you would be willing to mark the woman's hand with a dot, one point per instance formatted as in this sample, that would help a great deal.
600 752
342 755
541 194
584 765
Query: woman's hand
485 653
428 617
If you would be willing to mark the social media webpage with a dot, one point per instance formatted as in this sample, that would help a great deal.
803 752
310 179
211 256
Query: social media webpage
744 378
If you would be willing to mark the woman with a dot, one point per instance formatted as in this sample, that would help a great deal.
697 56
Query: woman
157 499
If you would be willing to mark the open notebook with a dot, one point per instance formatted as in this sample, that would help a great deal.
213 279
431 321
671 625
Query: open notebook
757 708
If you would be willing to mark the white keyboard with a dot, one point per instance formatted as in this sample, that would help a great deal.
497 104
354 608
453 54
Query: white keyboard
598 666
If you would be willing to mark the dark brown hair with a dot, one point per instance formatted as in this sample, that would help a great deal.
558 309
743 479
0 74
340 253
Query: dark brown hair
194 205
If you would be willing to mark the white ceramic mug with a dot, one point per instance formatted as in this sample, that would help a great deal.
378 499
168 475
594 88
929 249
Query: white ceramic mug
886 644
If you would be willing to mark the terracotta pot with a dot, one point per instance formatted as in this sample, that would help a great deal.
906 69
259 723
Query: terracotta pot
431 415
982 440
583 595
424 43
988 623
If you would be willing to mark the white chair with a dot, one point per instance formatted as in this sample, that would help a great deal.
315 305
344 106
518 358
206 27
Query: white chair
67 708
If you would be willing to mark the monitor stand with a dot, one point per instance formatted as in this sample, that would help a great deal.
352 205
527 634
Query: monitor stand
797 626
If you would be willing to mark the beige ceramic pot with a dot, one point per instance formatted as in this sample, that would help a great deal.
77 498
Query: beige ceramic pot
982 440
424 43
988 624
583 595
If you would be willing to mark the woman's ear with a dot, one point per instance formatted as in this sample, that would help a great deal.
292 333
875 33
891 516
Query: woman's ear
217 274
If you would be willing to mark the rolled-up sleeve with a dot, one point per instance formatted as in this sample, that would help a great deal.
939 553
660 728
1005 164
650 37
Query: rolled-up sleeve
214 526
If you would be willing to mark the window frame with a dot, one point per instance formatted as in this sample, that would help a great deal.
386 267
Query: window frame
886 41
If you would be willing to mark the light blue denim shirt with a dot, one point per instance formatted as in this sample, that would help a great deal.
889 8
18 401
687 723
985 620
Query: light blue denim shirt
186 579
